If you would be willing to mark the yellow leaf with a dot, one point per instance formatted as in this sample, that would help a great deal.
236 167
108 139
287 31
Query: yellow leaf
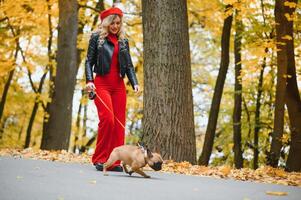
289 17
225 170
290 4
285 138
287 76
229 2
60 198
276 193
287 37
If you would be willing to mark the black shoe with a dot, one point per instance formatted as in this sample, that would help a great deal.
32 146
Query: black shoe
99 166
117 169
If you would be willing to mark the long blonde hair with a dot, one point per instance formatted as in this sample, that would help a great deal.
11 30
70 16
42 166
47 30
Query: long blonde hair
103 29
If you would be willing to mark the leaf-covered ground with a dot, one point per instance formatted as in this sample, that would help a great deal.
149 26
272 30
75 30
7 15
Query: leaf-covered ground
263 174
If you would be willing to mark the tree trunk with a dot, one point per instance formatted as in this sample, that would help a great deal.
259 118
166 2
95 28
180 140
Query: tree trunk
281 31
34 111
57 130
4 97
293 103
99 6
8 82
51 57
218 91
238 159
88 144
257 114
39 90
77 124
168 121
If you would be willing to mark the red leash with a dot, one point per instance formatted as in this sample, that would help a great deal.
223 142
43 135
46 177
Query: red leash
110 111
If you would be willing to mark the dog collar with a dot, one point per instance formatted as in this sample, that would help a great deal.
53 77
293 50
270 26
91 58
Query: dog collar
143 150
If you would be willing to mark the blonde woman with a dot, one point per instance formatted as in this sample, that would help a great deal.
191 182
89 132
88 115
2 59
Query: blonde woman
109 58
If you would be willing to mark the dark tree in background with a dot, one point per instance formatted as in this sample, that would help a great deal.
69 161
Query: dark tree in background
168 123
56 133
286 91
238 159
293 100
281 31
218 91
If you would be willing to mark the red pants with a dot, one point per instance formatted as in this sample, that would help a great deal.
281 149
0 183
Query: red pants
111 89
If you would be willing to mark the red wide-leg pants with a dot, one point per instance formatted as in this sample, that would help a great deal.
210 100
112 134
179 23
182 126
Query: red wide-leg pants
111 89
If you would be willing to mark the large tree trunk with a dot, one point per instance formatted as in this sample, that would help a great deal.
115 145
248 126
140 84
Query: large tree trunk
168 121
238 159
58 128
293 103
218 91
281 31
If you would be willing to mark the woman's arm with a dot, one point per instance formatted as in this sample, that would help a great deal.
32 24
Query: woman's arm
91 57
130 71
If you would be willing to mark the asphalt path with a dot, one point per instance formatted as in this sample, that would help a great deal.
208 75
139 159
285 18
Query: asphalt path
24 179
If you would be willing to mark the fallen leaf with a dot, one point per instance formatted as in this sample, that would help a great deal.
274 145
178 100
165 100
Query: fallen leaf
276 193
225 170
60 198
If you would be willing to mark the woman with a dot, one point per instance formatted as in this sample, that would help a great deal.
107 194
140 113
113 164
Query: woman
109 57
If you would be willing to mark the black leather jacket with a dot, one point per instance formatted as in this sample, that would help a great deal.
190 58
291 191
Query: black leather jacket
99 59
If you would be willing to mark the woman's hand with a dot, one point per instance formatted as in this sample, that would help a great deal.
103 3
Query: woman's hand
136 88
90 87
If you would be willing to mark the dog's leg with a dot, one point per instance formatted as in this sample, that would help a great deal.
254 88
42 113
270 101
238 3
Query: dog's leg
131 172
125 168
112 159
139 171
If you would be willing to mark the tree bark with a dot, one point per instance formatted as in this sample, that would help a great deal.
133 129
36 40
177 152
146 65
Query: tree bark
168 121
293 102
218 91
57 130
238 159
281 31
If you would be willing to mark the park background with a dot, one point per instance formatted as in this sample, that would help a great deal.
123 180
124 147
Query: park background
219 79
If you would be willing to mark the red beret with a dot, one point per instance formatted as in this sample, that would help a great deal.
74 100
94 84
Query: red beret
110 11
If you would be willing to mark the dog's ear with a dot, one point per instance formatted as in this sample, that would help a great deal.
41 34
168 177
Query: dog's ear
149 153
157 150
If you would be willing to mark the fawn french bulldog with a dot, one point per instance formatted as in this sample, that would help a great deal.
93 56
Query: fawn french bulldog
136 157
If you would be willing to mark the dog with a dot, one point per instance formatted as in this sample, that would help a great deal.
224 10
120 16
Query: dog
136 157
